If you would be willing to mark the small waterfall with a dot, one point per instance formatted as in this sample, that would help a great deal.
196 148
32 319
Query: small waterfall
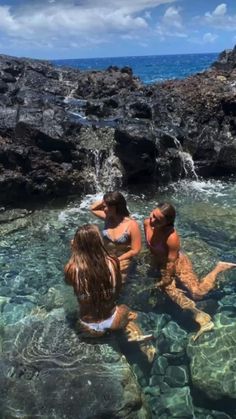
108 172
173 142
112 173
188 165
98 157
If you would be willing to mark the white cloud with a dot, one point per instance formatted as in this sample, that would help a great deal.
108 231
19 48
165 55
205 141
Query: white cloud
171 24
209 37
220 10
7 21
147 15
220 19
172 18
69 19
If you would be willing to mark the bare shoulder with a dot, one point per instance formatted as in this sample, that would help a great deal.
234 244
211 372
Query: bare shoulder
133 223
173 239
146 222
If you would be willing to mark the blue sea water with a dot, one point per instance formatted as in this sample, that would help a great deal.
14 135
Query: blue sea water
151 68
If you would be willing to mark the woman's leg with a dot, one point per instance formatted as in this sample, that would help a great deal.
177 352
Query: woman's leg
198 288
127 320
86 332
202 318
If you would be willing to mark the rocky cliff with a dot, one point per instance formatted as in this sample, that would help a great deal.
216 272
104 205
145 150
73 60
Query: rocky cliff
65 131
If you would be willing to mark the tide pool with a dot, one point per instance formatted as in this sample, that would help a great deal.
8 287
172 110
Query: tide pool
38 311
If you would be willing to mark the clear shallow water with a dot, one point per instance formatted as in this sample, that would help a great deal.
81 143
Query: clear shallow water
34 251
150 69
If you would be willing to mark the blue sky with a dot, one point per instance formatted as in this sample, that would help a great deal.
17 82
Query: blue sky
107 28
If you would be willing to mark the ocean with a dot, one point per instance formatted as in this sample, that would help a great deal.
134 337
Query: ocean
151 68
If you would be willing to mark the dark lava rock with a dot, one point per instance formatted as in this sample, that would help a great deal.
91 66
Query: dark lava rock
152 133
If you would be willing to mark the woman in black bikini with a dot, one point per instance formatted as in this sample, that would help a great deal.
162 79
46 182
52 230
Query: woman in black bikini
121 233
164 244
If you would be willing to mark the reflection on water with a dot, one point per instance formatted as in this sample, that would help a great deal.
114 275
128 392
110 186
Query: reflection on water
34 249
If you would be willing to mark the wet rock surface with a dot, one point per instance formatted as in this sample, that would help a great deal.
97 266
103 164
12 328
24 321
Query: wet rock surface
213 360
61 127
47 371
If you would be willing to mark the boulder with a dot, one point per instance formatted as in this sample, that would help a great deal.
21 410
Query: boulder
212 357
48 371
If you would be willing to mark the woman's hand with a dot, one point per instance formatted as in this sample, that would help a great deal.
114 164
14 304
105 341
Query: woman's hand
97 208
124 264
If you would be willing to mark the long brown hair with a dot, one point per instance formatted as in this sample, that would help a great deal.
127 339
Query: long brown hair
117 200
168 211
87 270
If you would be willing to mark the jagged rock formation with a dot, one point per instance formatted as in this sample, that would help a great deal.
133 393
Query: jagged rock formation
65 131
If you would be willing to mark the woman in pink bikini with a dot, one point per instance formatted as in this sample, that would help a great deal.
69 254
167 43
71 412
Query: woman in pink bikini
96 279
175 267
121 233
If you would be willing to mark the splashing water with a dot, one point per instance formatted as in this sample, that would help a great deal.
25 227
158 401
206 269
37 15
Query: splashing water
188 165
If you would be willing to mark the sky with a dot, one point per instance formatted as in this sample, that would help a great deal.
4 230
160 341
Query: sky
62 29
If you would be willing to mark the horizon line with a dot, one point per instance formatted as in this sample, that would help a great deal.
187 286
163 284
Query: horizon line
132 56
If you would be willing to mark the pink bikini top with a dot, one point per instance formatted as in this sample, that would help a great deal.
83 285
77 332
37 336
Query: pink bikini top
159 247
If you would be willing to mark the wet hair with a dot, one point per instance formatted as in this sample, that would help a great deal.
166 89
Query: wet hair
168 211
87 270
117 200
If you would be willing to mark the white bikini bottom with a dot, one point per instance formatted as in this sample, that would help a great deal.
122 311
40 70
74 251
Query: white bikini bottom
101 326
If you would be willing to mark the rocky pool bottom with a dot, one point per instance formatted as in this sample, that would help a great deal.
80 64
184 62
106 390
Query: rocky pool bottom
48 371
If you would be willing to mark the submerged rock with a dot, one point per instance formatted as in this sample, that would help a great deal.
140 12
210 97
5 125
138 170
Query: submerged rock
213 357
48 371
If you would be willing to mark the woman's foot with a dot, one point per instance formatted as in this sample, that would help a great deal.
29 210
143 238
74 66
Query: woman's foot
132 315
149 350
135 334
204 328
135 337
205 322
224 266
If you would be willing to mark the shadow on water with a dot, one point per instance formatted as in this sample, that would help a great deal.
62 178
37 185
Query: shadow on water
223 405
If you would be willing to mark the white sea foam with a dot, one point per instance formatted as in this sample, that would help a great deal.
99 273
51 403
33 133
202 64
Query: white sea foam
205 189
89 199
208 187
46 227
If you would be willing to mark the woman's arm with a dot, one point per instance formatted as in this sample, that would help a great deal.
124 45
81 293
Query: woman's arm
97 209
168 272
147 228
136 242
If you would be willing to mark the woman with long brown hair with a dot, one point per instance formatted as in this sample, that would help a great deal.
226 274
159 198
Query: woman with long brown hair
96 279
121 233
